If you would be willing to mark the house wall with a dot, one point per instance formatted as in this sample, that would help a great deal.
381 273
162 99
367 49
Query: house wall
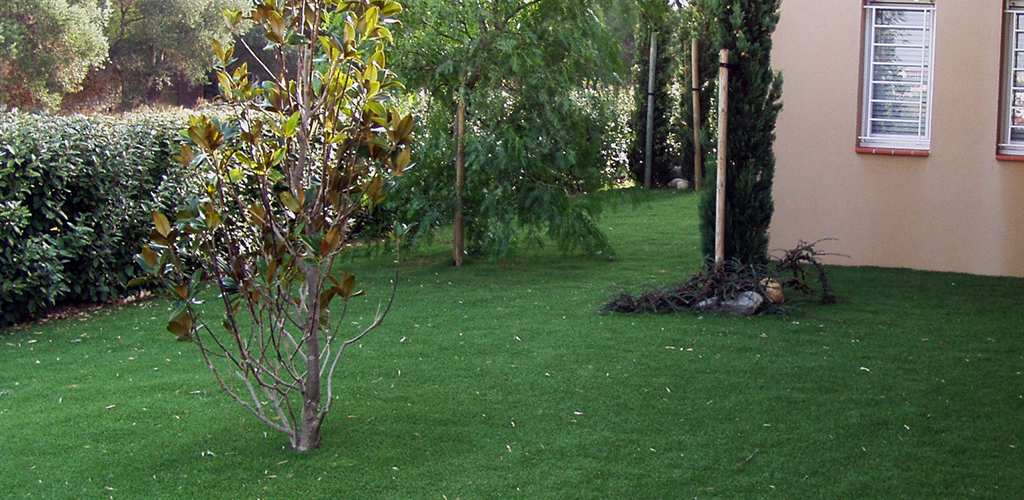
958 209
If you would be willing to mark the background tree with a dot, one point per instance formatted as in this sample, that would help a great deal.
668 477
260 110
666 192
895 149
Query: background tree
621 19
311 150
153 43
46 49
694 23
532 77
659 17
745 27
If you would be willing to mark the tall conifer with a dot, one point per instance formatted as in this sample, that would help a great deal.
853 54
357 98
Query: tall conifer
745 28
655 17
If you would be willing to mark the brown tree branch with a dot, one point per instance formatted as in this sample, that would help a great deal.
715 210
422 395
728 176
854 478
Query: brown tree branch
515 12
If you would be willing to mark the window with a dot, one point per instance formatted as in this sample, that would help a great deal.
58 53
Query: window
898 68
1011 141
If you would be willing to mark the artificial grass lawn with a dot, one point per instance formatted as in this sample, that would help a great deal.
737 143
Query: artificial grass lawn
500 380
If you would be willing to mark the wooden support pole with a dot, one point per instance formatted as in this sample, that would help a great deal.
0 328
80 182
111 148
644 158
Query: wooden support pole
460 180
695 88
723 134
652 63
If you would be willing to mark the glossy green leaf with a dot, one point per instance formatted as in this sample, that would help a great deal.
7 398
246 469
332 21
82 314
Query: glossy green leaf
232 18
347 286
291 124
163 226
290 202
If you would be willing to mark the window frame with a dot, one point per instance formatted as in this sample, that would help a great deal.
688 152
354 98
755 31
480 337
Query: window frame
1011 10
922 141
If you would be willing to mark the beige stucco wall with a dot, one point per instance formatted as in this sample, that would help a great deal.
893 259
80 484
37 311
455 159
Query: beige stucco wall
957 210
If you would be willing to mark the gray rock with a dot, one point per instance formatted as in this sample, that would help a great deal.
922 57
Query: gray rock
708 305
679 183
745 304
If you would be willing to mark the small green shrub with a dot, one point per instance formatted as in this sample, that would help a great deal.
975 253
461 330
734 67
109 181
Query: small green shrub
76 195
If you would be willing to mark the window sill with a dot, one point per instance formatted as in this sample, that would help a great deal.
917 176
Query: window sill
1017 158
893 152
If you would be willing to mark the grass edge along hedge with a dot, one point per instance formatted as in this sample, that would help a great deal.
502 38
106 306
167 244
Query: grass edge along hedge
76 194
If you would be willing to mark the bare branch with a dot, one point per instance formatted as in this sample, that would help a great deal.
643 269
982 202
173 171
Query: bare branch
255 57
444 35
379 318
234 395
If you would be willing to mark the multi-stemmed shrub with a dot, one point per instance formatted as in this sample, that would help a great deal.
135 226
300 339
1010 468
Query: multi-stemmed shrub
312 148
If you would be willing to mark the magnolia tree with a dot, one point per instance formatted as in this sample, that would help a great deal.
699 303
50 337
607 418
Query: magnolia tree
309 152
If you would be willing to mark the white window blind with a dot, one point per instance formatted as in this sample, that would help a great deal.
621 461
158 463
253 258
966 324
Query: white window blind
898 71
1013 83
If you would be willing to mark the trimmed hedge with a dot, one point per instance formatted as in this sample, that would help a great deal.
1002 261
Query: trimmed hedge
76 194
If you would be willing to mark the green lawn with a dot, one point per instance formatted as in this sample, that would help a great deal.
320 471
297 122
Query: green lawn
500 380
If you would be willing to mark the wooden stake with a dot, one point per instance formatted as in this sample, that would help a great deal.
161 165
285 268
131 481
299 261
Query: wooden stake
649 149
460 180
723 134
695 86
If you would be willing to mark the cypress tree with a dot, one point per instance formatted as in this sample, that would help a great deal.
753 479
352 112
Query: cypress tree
655 17
694 23
745 28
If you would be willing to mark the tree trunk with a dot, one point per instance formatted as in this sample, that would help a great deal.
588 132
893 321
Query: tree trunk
309 426
460 180
308 437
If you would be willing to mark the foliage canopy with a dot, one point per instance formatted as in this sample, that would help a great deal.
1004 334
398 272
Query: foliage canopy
533 77
154 42
46 49
75 195
745 28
